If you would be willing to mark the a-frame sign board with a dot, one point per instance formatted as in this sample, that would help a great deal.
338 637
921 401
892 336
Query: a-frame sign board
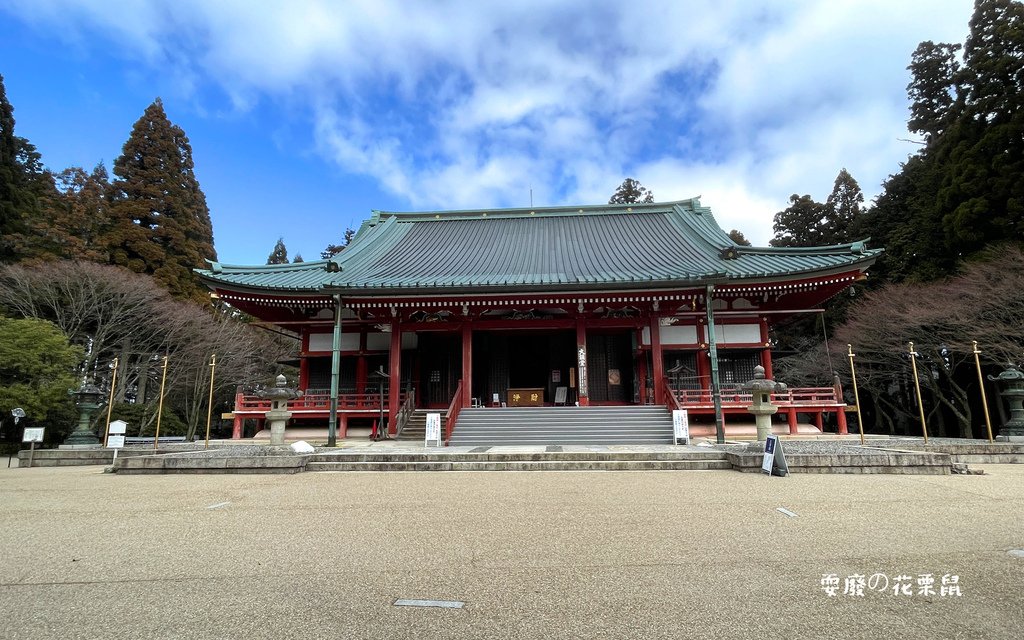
774 463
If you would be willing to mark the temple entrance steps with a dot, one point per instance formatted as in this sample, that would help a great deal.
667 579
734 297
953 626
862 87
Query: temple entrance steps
416 427
686 459
563 425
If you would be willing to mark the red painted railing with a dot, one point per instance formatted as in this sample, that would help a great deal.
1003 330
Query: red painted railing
670 396
315 402
453 413
796 397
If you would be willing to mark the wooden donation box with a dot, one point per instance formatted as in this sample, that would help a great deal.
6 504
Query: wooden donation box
526 397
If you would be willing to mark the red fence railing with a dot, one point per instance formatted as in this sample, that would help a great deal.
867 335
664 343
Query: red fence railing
315 402
796 397
453 413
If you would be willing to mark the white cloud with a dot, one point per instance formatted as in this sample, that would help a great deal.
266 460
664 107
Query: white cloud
460 104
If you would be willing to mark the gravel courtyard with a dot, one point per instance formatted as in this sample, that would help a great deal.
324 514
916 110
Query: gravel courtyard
532 555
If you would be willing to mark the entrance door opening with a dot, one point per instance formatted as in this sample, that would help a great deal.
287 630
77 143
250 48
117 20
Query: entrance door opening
504 360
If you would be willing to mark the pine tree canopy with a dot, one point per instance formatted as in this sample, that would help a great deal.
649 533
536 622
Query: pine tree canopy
631 192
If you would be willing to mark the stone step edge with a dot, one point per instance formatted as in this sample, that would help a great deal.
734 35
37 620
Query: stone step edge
526 465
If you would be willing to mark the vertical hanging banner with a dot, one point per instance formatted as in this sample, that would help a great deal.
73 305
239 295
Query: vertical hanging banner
680 426
433 430
774 463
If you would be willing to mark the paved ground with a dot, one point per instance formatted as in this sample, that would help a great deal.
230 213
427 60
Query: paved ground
533 555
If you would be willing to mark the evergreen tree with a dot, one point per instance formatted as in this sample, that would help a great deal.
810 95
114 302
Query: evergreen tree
933 91
279 255
982 199
739 238
334 249
801 224
298 258
631 192
160 221
22 180
844 205
74 216
807 223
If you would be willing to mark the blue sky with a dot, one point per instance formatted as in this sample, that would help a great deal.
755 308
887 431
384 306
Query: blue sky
305 115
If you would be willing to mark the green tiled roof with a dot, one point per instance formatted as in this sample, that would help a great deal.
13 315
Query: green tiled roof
549 249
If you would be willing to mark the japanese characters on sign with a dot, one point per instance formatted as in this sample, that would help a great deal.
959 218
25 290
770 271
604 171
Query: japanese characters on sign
581 362
433 430
859 585
680 426
33 435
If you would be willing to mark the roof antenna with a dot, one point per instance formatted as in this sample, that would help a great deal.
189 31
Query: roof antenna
531 196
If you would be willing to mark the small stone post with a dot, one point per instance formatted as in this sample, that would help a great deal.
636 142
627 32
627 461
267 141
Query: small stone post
279 414
761 406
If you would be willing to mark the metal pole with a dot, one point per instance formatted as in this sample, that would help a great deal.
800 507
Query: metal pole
856 394
332 421
31 452
716 389
917 385
110 403
981 385
160 406
209 403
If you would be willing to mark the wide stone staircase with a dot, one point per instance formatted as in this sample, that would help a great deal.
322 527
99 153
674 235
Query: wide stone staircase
563 426
416 427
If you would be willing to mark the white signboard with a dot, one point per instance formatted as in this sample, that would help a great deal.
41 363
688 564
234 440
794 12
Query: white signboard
33 435
680 426
115 442
774 463
433 431
118 427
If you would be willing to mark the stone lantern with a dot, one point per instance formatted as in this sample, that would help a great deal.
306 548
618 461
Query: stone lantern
88 398
761 406
279 395
1012 390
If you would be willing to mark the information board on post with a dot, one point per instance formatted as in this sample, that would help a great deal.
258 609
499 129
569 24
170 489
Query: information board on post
32 436
433 430
680 426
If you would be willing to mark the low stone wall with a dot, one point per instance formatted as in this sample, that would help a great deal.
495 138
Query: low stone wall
865 460
266 460
79 457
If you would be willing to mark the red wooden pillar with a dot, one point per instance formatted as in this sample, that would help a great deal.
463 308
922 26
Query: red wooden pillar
236 428
395 371
792 420
766 353
641 367
342 426
657 361
467 363
304 362
841 420
581 362
818 422
361 373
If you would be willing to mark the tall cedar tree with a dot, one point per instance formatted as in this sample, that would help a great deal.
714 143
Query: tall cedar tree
22 181
631 192
807 223
74 216
965 188
160 221
280 253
